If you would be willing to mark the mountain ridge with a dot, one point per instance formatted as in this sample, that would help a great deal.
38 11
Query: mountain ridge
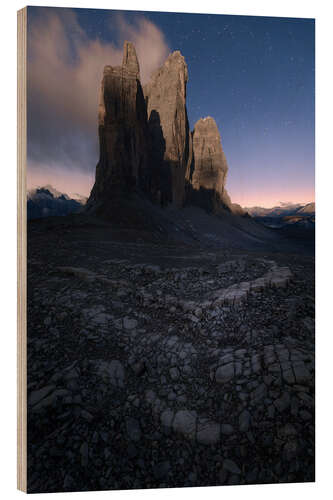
284 209
45 201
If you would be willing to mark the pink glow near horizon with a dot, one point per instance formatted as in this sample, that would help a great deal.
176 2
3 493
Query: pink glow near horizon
61 179
270 189
271 199
69 182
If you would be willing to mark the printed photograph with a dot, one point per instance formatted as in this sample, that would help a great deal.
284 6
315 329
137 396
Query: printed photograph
171 250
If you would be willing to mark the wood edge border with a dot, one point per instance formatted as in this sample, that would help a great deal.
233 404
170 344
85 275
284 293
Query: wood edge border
21 250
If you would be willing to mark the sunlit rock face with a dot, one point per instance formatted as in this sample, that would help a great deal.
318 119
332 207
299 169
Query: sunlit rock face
123 130
208 173
210 164
169 129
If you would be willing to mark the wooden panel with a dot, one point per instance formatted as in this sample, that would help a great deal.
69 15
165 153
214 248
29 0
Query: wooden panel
21 250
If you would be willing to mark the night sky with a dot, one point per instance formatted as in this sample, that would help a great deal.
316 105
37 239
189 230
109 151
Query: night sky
254 75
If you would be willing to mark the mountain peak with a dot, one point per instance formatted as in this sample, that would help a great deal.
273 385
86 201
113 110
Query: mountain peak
146 143
130 59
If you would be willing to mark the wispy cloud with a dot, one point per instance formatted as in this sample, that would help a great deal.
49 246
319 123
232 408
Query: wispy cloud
65 67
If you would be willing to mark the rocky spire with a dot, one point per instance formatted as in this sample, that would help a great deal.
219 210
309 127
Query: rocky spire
123 131
209 168
153 151
210 164
168 124
130 60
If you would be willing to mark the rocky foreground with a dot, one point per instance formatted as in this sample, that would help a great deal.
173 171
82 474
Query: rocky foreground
164 365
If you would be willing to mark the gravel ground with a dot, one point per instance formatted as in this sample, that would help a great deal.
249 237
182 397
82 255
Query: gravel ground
149 365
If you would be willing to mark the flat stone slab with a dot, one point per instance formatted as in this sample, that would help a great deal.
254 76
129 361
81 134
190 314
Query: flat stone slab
231 466
301 372
130 323
113 372
208 432
244 421
40 394
133 429
190 425
225 373
185 423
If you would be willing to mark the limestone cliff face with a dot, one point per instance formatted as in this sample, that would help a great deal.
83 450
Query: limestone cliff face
169 128
123 131
210 164
146 144
209 168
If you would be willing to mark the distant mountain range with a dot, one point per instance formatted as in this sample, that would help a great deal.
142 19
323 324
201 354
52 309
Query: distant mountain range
285 209
286 214
47 201
310 209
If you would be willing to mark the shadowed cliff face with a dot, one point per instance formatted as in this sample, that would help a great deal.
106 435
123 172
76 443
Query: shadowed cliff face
166 97
123 131
161 181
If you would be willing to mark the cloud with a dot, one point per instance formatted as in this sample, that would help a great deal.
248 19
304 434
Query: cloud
65 67
149 42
